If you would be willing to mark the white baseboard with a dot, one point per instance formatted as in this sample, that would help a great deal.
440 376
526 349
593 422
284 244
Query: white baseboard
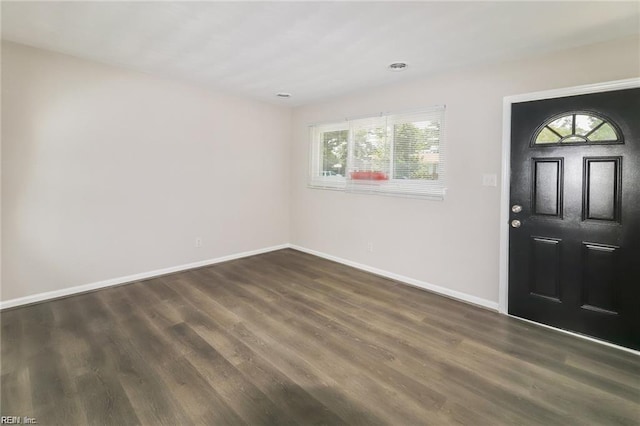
464 297
151 274
130 278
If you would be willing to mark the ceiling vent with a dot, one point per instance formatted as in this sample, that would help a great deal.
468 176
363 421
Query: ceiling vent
398 66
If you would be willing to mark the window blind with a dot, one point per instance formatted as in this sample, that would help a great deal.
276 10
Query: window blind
398 154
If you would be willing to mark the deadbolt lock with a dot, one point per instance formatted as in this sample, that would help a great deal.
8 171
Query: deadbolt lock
516 223
516 208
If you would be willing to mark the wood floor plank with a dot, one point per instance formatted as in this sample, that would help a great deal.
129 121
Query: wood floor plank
53 392
311 344
15 385
446 308
122 357
300 301
284 365
272 382
88 367
540 349
498 393
288 338
239 392
203 404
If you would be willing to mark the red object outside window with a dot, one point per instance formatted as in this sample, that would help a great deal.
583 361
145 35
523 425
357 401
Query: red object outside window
369 175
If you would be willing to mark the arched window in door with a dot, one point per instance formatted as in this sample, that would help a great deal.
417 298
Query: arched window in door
577 127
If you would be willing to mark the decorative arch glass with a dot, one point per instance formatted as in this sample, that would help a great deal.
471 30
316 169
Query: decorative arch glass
578 127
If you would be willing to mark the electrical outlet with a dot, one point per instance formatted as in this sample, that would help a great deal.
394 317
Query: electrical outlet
370 246
198 242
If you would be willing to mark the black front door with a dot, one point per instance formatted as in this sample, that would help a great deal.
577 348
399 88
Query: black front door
574 240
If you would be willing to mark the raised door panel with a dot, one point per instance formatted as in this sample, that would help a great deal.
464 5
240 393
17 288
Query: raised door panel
600 278
545 267
547 186
602 189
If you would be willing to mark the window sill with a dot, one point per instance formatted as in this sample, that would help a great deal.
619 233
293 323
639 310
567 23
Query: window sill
386 188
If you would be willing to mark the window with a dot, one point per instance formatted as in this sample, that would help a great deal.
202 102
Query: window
579 127
398 154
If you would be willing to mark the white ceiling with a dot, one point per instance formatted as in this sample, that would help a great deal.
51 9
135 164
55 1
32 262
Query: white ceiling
313 50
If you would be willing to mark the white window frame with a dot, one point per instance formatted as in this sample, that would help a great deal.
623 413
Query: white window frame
315 166
414 188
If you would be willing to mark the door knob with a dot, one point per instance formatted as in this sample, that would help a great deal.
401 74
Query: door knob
516 208
515 223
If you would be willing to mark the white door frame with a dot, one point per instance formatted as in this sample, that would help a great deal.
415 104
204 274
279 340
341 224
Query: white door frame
503 295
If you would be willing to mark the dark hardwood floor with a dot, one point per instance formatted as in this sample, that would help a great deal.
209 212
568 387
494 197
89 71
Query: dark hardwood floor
287 338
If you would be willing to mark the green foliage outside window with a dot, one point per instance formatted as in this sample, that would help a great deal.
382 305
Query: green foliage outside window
416 151
334 152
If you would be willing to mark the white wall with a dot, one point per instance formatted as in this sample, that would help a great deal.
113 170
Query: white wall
454 243
107 173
